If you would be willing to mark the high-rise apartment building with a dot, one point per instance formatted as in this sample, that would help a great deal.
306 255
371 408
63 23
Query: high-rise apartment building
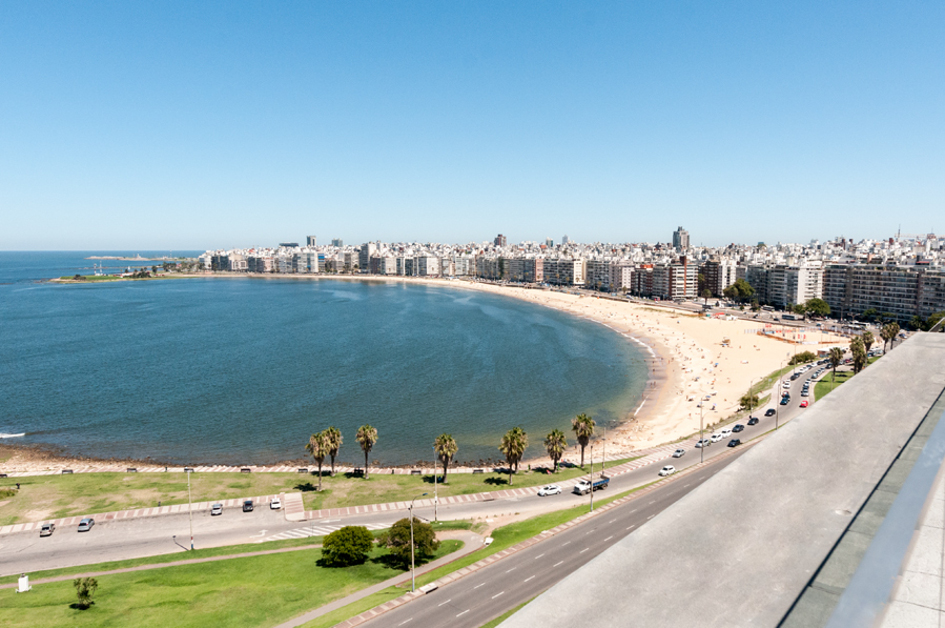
311 241
680 240
899 291
367 251
337 242
499 240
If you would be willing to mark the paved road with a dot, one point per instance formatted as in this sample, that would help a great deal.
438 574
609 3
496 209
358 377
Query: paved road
135 538
484 595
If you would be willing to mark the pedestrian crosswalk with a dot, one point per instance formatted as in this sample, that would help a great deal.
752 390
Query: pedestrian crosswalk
316 529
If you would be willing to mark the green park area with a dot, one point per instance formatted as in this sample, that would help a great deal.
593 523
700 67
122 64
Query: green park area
55 496
255 591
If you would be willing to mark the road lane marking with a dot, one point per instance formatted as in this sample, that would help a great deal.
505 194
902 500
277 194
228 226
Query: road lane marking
497 594
584 550
479 585
560 562
611 521
446 602
608 538
405 621
528 578
631 527
512 569
652 502
650 517
687 486
634 510
463 613
565 543
539 556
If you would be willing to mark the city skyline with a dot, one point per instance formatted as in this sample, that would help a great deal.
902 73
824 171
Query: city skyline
186 126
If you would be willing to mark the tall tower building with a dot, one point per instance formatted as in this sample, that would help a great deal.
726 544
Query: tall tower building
680 240
310 241
499 240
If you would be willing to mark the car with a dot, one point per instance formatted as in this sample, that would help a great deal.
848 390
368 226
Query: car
770 412
804 403
86 524
805 393
551 489
216 509
667 470
786 385
705 442
679 453
752 420
47 529
726 432
715 438
734 442
275 504
785 400
248 505
738 428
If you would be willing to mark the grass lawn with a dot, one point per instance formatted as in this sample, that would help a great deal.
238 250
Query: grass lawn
242 592
54 496
342 490
827 383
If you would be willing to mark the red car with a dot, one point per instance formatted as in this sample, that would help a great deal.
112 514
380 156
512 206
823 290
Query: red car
804 403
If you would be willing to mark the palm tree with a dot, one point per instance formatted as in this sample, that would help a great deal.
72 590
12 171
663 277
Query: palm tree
583 427
555 444
366 437
893 332
858 350
513 445
836 357
318 446
868 340
884 334
335 439
445 447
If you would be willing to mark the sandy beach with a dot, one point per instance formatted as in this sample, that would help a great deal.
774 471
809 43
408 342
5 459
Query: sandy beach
690 357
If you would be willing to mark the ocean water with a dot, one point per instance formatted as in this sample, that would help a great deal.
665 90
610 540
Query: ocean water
242 371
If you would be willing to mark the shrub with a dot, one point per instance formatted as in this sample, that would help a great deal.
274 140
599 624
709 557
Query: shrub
7 492
397 540
803 357
84 590
348 546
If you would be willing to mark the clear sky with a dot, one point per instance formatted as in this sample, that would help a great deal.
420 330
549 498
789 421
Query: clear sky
193 125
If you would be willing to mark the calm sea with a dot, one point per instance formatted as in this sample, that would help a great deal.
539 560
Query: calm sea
242 371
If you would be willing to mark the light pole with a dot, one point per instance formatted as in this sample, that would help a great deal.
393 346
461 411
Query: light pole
190 508
592 478
413 573
777 408
701 430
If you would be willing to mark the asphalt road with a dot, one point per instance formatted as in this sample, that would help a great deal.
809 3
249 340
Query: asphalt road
484 595
136 538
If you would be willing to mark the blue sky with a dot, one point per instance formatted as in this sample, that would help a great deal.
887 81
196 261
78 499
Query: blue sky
199 125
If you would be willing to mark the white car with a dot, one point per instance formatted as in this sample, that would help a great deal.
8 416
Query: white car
667 470
679 453
716 438
551 489
275 504
705 442
726 432
216 509
786 384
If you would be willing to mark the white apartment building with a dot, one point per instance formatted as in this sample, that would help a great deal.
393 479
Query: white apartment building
564 272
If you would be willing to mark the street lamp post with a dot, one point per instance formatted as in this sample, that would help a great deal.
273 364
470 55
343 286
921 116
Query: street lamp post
413 573
592 478
190 508
701 434
434 485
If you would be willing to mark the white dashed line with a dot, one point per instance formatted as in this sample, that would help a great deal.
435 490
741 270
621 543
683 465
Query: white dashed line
497 594
446 602
528 578
650 517
405 621
608 538
560 562
463 613
479 585
539 556
565 543
584 550
687 486
512 569
631 527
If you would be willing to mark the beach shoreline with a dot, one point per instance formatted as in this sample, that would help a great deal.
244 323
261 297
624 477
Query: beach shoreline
685 354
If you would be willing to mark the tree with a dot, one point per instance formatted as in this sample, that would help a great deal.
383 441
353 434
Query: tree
706 293
335 440
858 350
445 447
755 306
934 320
817 307
836 357
893 333
888 333
397 540
748 401
799 309
583 427
318 447
366 437
513 445
348 546
803 357
868 340
870 313
84 589
555 444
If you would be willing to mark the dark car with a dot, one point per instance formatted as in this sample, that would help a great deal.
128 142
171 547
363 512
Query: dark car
738 428
770 412
248 505
753 420
785 401
734 442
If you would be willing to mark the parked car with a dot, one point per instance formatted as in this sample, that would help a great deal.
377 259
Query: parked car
715 438
86 524
275 504
667 470
216 509
679 453
726 432
752 420
551 489
770 412
785 400
47 529
804 403
734 442
738 428
705 442
248 505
